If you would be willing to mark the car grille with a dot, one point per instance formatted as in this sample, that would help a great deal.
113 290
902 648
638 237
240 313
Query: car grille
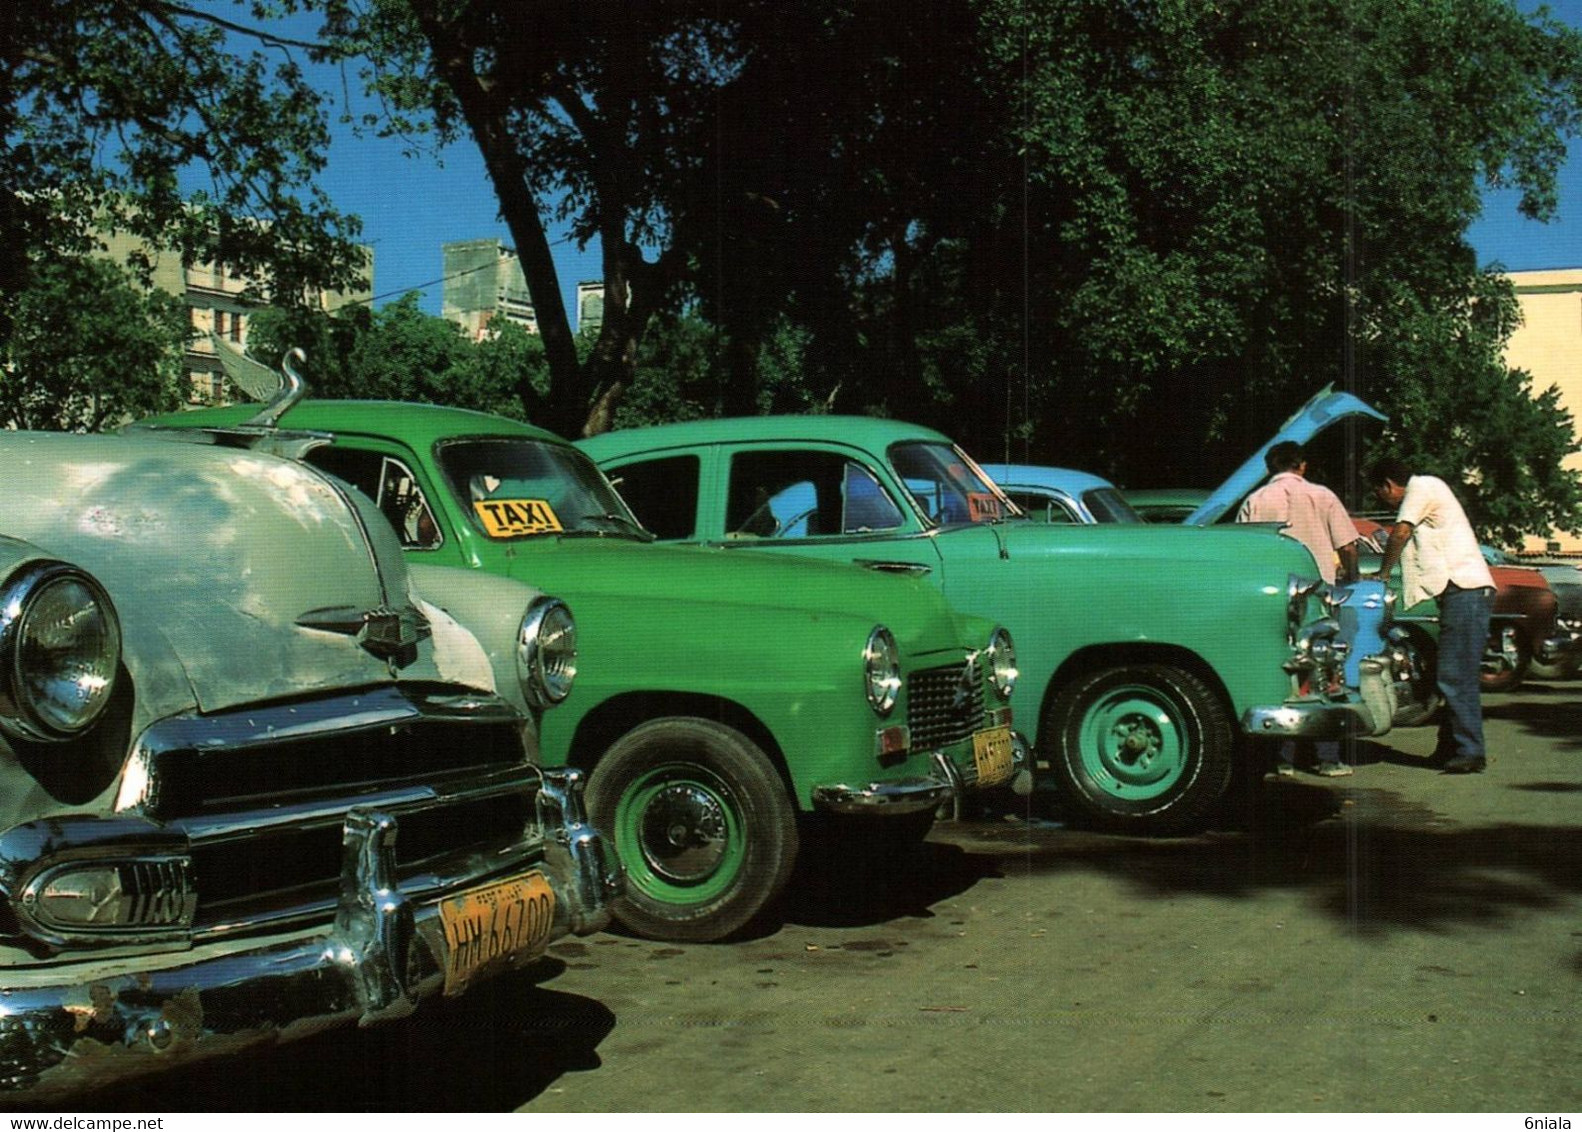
262 797
941 708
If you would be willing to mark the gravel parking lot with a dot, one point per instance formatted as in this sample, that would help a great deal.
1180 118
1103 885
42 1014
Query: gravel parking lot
1395 941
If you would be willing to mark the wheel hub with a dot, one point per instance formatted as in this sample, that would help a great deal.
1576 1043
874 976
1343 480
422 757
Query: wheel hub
1133 742
683 832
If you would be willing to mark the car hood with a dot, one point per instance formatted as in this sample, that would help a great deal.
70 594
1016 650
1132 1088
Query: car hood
1253 550
651 581
1325 408
237 577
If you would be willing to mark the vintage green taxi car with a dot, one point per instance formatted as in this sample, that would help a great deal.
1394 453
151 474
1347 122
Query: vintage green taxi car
1146 650
259 779
723 696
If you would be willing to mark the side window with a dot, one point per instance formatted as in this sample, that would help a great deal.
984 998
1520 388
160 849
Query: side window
662 493
803 495
868 507
1041 508
392 487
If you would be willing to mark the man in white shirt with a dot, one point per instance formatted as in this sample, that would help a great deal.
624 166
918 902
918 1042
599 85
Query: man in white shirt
1440 558
1316 518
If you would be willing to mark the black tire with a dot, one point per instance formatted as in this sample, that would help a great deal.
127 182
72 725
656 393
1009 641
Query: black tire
1143 749
702 824
1561 670
1505 659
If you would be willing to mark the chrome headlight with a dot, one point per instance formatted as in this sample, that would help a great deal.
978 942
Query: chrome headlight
1297 591
60 647
881 666
1002 661
546 652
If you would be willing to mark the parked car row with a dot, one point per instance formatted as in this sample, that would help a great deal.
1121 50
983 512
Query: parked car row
315 710
1148 654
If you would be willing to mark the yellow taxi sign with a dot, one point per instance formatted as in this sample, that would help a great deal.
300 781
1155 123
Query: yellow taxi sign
512 518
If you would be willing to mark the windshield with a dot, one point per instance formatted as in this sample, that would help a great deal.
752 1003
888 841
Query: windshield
947 486
514 488
1107 505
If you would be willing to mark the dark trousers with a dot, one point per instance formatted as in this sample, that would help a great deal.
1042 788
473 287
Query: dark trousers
1463 635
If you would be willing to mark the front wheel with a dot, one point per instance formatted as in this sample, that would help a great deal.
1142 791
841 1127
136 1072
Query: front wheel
702 824
1415 662
1505 660
1143 748
1560 670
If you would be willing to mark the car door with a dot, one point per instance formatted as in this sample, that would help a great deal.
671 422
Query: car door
805 498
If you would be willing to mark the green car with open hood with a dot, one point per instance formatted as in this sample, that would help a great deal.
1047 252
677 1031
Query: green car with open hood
1147 652
724 698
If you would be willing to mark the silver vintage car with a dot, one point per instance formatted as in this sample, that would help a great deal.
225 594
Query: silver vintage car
258 778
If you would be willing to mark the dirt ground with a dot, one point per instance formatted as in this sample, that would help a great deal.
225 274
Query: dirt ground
1399 940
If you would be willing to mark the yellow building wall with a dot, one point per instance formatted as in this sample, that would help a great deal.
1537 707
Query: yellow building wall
1548 345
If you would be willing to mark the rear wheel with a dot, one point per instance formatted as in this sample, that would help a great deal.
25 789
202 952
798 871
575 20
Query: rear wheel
1143 748
700 820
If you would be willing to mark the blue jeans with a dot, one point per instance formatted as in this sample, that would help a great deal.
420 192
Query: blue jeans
1463 634
1324 751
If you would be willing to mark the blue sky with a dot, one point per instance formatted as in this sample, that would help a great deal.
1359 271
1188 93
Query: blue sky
410 207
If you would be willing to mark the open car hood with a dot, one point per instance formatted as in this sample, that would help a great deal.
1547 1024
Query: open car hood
1325 408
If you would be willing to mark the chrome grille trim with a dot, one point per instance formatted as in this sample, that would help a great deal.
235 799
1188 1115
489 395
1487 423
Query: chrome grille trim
944 705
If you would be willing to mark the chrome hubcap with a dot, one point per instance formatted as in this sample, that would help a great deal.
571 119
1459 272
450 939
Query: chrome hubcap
683 833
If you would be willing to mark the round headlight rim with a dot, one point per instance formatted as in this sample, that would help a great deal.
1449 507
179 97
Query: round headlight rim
885 692
20 717
1003 672
542 687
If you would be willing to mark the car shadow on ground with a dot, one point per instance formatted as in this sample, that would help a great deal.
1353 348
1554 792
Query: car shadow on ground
1374 860
490 1050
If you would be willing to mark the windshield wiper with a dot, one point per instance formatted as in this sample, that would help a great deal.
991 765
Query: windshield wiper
636 530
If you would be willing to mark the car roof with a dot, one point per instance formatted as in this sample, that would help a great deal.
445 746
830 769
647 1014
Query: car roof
1070 480
870 431
415 423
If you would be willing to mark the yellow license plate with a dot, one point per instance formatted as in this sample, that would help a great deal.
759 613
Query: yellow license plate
495 923
991 751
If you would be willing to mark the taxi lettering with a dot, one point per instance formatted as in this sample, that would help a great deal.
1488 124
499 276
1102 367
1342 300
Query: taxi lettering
512 518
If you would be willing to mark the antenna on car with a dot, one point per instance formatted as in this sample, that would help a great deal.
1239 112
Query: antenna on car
292 389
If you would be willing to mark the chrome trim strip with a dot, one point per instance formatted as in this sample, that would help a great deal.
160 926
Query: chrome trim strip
382 954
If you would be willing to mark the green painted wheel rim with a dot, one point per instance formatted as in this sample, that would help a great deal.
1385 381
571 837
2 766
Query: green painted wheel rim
679 831
1133 743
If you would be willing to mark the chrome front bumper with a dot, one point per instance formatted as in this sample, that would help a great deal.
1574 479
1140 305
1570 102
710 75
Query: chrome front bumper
93 1022
947 783
1369 711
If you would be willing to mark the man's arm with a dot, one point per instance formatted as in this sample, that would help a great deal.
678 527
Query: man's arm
1400 535
1348 561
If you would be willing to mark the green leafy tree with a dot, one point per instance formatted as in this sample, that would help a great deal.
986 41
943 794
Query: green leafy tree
1225 207
111 111
401 353
90 350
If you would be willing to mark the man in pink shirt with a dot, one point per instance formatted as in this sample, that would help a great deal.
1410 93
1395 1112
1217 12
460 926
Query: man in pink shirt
1316 518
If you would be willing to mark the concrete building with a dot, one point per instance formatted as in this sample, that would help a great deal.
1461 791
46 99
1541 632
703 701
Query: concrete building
217 304
483 282
1548 345
590 305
